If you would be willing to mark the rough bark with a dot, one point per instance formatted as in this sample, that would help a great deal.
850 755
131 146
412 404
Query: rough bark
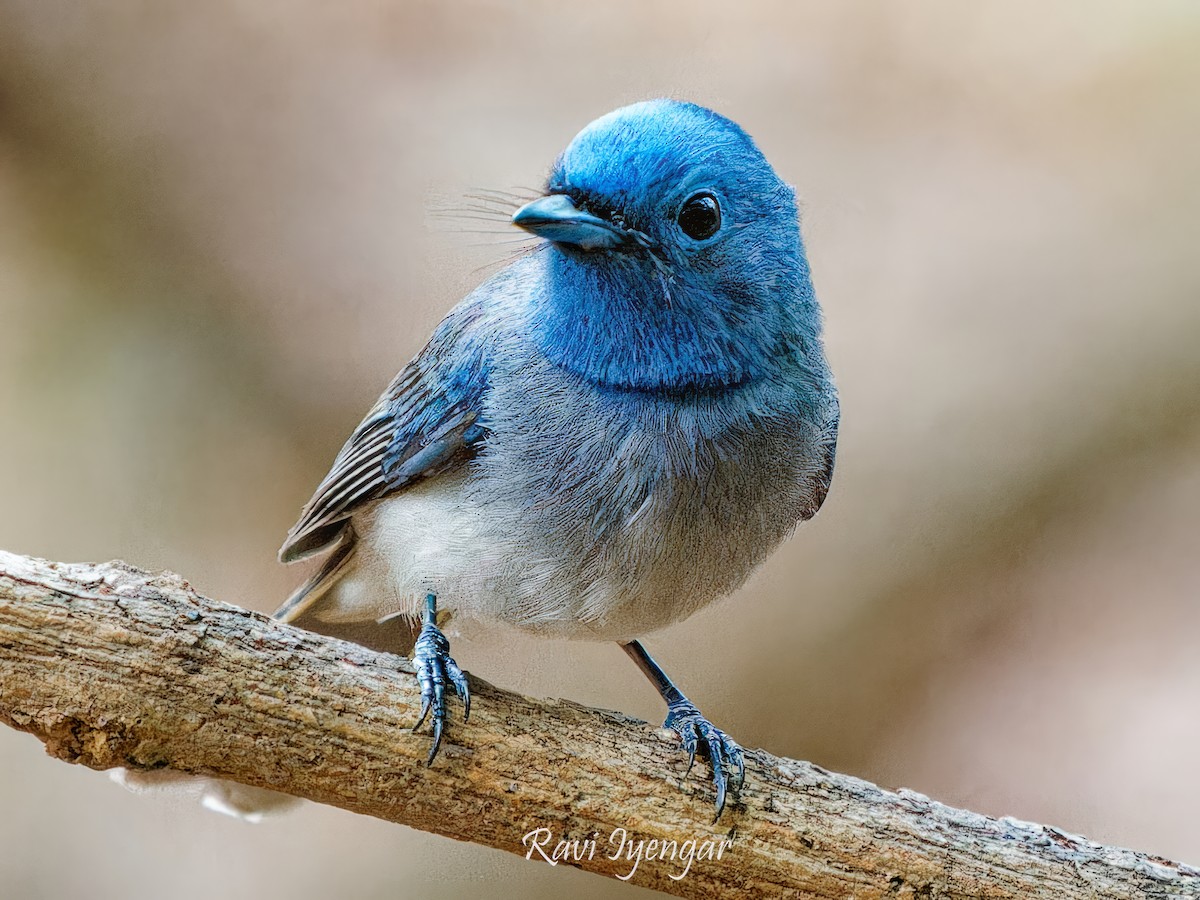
112 666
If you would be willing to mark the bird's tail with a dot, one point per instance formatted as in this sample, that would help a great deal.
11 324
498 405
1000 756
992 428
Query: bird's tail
317 586
396 634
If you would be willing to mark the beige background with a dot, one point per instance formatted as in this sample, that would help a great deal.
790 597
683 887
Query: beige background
219 239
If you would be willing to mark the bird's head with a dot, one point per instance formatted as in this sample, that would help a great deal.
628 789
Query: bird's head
676 259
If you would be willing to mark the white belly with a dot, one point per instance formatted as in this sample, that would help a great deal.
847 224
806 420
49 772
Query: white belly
435 538
425 540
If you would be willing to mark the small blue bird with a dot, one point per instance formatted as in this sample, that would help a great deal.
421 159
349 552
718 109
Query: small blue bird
608 434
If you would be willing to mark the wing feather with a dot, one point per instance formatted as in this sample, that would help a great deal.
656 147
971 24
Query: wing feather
426 422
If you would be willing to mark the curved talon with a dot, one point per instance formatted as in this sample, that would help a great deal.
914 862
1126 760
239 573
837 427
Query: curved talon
438 726
424 711
694 730
435 667
459 680
736 752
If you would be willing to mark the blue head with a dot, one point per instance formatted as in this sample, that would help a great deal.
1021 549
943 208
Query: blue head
677 261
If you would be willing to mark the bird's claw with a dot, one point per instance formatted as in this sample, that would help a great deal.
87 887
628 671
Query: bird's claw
431 658
722 751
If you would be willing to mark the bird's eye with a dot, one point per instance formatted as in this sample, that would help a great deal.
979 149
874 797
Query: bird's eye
700 217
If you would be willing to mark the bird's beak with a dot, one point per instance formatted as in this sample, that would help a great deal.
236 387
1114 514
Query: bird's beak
556 218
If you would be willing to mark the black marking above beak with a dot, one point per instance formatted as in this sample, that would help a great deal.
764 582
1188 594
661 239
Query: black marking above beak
556 218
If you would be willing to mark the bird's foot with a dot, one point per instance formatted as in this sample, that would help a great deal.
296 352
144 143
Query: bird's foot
431 657
722 751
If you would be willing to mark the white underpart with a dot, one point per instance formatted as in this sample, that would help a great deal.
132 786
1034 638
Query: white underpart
407 546
430 538
477 559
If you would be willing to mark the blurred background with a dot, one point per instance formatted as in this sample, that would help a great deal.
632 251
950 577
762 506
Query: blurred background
222 231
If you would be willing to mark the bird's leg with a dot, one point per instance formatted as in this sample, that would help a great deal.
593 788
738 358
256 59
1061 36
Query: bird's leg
431 657
696 731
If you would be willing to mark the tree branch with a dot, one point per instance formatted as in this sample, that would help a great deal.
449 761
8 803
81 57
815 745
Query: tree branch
111 666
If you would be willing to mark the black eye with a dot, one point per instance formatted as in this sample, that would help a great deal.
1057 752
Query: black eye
700 217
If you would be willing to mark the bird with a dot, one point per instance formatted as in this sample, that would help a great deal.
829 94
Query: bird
603 437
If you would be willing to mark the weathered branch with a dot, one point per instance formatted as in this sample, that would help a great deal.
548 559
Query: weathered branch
111 666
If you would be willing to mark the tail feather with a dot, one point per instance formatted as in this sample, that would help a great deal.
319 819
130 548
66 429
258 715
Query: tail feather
318 585
396 634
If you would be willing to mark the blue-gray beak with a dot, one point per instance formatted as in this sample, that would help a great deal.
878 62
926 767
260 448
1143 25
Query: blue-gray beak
556 218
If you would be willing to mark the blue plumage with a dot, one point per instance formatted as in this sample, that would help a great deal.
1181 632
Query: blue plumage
608 434
683 313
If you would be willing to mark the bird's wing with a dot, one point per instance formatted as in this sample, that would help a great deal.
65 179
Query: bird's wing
426 422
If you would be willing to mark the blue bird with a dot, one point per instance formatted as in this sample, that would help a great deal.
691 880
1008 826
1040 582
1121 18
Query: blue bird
604 437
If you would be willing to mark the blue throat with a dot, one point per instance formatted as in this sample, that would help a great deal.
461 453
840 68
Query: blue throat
619 321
